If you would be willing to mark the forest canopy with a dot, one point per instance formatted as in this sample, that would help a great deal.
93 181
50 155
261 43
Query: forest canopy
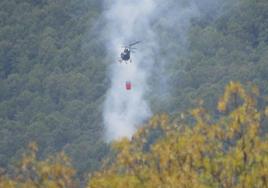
228 152
191 150
53 81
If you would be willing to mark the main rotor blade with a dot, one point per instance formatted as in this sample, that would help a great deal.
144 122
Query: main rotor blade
134 43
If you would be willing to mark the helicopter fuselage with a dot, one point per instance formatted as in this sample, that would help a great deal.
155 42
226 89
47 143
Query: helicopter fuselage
125 56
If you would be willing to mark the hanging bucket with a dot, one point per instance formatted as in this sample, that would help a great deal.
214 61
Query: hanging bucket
128 85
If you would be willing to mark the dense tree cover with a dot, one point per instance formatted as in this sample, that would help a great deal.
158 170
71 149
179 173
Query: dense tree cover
30 172
51 87
229 152
53 81
194 151
227 43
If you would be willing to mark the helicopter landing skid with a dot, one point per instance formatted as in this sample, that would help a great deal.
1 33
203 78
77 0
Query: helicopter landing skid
120 61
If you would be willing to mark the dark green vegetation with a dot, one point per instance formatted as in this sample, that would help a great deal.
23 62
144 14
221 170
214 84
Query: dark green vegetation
53 71
227 43
51 87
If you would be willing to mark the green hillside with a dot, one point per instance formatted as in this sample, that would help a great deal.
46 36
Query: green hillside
51 88
230 43
53 71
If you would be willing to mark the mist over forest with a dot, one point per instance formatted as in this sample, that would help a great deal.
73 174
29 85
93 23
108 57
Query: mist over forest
62 89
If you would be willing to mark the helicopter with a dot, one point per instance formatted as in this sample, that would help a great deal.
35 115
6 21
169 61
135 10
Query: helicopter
125 55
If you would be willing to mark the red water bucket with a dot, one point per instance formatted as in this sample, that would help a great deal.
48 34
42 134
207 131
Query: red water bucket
128 85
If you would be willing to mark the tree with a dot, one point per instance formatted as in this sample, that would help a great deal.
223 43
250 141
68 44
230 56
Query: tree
225 152
53 172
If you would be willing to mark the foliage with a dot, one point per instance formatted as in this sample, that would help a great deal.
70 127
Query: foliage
53 172
227 43
51 88
53 70
229 152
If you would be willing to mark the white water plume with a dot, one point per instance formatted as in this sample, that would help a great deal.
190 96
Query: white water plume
126 109
128 21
